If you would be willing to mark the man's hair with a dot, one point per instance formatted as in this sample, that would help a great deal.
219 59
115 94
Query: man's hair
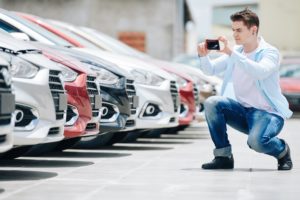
247 16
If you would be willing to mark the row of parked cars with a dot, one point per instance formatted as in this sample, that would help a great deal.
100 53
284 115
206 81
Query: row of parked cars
64 86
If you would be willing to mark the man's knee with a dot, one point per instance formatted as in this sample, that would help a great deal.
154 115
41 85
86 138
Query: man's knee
212 102
258 144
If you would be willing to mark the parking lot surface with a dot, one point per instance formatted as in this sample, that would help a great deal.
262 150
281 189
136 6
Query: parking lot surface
163 168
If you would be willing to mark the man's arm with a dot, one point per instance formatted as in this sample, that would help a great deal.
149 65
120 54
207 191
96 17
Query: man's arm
259 70
214 67
211 67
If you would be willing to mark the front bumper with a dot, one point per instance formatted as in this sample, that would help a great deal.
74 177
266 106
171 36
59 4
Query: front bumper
121 103
47 114
158 106
82 96
188 105
7 107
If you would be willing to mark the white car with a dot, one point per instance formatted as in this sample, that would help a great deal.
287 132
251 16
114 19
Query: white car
41 101
7 107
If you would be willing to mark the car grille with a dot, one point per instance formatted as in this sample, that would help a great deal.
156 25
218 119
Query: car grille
5 119
130 123
2 138
90 126
174 93
130 89
196 94
53 131
92 92
56 88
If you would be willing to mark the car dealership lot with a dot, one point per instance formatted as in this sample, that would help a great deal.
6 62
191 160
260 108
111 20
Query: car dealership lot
162 168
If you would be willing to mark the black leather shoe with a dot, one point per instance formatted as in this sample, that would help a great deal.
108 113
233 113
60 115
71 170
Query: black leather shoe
220 163
285 163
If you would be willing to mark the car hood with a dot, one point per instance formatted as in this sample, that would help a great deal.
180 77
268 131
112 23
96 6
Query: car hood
87 58
129 63
15 46
168 66
65 60
198 73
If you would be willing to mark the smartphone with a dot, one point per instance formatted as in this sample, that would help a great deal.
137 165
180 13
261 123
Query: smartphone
212 44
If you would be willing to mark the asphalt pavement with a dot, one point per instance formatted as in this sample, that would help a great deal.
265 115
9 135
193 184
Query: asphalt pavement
155 169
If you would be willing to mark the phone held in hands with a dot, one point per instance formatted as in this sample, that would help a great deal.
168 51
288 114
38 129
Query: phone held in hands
212 44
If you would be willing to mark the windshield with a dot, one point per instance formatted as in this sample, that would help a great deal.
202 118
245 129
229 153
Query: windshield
47 34
290 71
74 36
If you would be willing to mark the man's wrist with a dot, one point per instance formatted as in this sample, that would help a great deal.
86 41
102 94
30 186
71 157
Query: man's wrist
228 52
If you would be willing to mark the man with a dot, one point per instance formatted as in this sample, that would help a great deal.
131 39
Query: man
254 105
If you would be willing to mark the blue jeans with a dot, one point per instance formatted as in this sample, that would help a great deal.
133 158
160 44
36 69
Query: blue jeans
261 127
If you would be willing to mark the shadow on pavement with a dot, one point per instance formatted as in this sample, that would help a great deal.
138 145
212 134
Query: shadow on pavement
20 175
85 154
42 163
156 141
185 136
134 148
1 190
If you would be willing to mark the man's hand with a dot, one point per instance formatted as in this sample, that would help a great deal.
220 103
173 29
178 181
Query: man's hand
226 49
202 50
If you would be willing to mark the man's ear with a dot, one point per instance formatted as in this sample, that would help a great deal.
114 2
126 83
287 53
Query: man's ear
253 30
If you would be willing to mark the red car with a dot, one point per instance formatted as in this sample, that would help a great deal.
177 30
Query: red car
84 103
290 82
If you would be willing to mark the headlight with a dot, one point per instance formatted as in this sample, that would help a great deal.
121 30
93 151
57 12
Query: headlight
68 75
181 81
146 77
23 69
105 77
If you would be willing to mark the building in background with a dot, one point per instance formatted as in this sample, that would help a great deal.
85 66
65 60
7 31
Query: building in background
154 26
280 23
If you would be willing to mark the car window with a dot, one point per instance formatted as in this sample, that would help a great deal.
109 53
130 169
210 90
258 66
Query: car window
36 28
290 71
7 27
76 37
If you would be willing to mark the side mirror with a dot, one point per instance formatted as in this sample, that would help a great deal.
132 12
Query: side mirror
20 36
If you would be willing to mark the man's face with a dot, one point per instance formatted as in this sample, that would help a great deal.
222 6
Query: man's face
241 33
